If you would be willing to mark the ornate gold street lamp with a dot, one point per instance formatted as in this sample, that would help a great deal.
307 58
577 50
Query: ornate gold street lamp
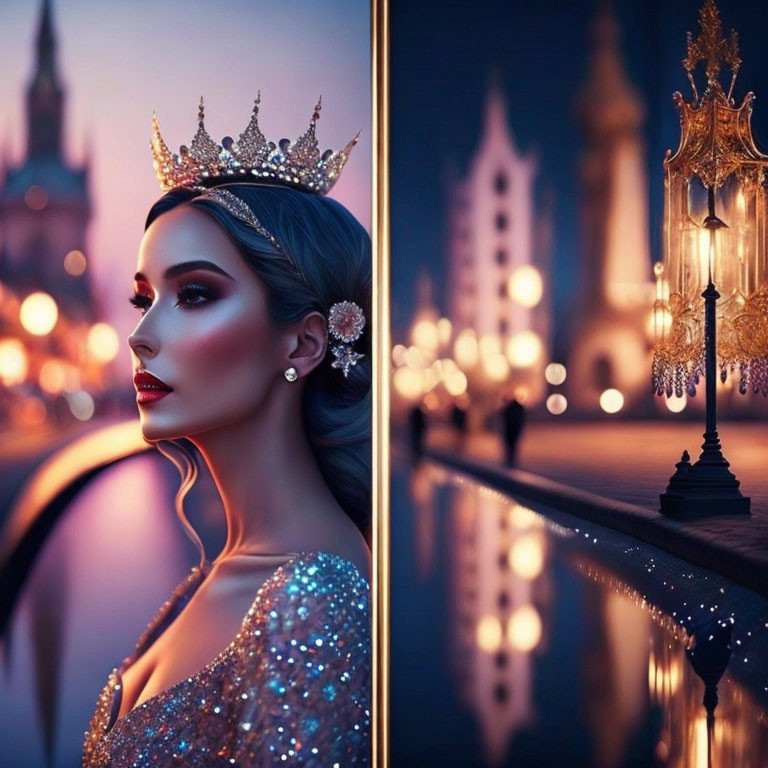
711 310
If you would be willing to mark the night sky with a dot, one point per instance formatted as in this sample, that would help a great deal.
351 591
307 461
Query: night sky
443 54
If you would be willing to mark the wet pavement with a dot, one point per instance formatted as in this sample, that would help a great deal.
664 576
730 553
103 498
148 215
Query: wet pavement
626 465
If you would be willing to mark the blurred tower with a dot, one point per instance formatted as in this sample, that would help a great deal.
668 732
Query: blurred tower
44 204
496 285
609 347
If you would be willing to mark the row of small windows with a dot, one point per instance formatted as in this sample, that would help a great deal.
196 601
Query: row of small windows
501 258
501 222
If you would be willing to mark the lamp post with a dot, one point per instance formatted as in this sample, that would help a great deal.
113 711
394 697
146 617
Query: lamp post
717 177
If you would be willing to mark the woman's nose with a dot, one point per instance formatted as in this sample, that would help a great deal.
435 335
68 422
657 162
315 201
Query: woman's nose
140 343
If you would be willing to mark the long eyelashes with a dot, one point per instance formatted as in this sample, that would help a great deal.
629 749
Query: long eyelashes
187 296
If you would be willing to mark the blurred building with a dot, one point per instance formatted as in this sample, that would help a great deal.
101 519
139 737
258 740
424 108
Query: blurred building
44 202
609 346
496 275
54 357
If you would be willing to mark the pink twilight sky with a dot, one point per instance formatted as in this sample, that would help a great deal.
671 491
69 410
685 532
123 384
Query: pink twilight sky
119 61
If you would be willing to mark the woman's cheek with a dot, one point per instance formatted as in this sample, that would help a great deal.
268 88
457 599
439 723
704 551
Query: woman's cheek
224 351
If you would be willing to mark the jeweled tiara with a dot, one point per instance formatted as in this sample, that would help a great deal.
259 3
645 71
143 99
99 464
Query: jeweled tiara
297 164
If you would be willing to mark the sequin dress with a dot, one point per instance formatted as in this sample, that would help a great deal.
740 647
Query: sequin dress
291 689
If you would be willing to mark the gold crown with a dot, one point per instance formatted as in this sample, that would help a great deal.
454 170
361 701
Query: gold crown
251 158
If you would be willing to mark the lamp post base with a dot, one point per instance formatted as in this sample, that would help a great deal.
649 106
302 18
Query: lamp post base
705 488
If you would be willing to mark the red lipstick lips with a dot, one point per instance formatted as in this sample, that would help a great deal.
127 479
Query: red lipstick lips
149 389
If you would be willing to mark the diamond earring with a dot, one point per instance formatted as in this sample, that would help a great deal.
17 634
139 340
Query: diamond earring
291 374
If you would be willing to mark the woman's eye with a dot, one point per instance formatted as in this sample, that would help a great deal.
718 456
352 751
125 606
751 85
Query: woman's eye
188 295
141 301
194 295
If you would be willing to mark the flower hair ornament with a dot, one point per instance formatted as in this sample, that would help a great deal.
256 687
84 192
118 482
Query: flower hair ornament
253 159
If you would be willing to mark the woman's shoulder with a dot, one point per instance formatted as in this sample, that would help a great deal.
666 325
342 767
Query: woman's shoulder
317 576
315 593
300 677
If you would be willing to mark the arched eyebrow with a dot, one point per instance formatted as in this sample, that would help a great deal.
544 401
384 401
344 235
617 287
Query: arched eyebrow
187 266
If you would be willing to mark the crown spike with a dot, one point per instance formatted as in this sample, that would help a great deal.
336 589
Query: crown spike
252 145
304 151
163 160
337 160
298 164
203 149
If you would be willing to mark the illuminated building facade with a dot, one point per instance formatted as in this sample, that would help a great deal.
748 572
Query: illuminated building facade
44 203
497 286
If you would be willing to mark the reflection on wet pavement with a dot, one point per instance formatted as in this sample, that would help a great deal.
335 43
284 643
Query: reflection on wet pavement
562 643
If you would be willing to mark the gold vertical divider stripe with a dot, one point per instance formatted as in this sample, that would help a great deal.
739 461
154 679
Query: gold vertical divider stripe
380 380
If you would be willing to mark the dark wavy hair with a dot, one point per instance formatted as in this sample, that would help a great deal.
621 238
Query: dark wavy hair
333 254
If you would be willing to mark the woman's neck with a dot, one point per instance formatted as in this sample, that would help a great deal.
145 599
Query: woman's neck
275 497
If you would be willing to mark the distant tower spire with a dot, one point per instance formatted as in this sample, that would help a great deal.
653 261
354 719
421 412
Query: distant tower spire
45 96
614 185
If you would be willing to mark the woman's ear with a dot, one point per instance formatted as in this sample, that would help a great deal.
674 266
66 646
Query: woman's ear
309 343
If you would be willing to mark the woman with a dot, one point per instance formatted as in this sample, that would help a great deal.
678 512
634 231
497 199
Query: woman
253 347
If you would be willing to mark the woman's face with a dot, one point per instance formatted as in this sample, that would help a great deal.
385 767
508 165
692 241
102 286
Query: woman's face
204 329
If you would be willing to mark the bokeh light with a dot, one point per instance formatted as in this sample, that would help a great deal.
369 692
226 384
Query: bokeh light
102 343
81 404
524 348
556 404
75 263
38 313
415 358
30 411
456 383
399 354
425 335
611 401
52 377
524 628
488 633
36 198
408 382
14 362
465 348
496 367
526 556
676 404
555 374
525 286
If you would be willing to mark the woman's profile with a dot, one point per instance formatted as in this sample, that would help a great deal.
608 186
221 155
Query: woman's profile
253 350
